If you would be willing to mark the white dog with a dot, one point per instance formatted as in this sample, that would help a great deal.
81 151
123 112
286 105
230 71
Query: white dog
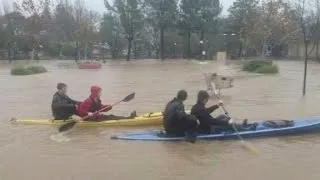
218 81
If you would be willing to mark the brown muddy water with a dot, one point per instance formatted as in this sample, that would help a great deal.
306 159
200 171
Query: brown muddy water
27 152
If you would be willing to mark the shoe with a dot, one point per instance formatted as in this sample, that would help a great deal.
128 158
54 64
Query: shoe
133 114
254 126
251 127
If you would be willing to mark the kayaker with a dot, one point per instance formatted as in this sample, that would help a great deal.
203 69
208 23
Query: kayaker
93 104
176 121
207 122
62 106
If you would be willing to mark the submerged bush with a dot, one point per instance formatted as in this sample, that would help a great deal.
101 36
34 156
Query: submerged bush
261 66
27 70
67 64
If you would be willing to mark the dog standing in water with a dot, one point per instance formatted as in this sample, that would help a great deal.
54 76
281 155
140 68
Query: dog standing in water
219 81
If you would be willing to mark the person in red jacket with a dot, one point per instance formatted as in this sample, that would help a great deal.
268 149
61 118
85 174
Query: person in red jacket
93 104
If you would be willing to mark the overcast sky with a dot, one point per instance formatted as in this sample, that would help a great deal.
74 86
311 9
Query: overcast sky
98 5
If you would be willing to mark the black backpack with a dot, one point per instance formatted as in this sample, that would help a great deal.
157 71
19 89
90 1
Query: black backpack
278 123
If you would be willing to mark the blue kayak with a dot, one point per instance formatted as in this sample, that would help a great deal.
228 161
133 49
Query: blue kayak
262 129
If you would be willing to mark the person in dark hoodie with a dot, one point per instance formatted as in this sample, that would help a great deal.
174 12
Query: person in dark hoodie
176 121
93 104
207 122
62 106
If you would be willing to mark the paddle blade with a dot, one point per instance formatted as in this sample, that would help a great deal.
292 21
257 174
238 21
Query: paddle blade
129 97
250 148
67 126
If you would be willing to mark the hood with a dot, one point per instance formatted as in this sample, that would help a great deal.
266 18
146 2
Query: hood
94 91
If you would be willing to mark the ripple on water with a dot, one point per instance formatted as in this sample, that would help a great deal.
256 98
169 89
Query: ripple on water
27 152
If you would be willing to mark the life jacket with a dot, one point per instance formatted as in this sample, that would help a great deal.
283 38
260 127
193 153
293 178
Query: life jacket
96 104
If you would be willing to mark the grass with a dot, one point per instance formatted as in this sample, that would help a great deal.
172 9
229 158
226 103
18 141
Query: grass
27 70
260 66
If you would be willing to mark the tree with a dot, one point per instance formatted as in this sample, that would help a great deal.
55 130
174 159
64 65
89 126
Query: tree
243 17
189 11
276 25
64 22
86 30
307 15
111 33
209 11
13 25
161 14
131 18
37 22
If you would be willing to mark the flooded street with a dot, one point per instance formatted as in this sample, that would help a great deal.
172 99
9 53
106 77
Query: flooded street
27 152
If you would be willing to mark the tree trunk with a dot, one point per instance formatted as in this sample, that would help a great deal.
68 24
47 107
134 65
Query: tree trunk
113 53
85 51
36 54
9 54
162 42
32 54
129 49
78 51
157 53
317 51
135 51
189 44
240 50
306 45
14 53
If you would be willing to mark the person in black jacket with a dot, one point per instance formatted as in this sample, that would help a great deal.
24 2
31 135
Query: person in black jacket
176 121
206 120
62 106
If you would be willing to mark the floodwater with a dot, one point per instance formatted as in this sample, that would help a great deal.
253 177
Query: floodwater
27 152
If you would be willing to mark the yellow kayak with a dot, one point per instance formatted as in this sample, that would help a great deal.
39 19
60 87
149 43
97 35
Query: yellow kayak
147 119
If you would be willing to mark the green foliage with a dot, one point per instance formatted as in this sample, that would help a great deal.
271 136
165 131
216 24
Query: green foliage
200 17
260 66
111 34
27 70
162 14
268 69
52 49
152 28
131 18
67 50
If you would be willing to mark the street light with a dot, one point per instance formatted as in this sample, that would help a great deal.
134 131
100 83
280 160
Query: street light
226 39
203 53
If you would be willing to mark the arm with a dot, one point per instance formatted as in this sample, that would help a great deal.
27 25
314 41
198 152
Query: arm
57 103
107 106
74 101
212 108
203 115
179 110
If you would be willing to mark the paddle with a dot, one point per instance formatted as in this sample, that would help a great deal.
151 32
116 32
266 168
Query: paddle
244 143
71 124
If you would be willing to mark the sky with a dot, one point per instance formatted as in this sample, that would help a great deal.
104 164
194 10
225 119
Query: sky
98 5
